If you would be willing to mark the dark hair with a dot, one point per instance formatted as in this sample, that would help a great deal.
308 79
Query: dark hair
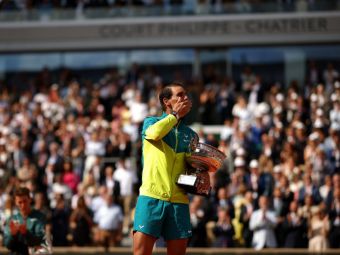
167 92
22 191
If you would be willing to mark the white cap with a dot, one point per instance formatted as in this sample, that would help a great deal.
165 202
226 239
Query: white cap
239 162
55 86
254 164
319 112
318 123
258 114
278 124
299 125
235 146
334 97
294 96
337 85
296 170
100 108
279 97
40 98
277 169
313 136
313 97
240 152
335 126
277 110
263 108
5 130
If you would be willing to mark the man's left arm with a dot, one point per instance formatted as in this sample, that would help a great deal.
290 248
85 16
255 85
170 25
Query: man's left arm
35 235
156 130
271 219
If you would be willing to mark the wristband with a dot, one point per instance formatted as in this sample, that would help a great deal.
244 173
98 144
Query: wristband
175 114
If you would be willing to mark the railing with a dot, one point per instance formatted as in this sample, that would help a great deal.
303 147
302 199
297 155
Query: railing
187 8
190 251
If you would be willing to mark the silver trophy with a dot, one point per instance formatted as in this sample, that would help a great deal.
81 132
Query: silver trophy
201 160
44 249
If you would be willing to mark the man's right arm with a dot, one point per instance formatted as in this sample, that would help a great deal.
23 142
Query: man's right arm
8 238
35 237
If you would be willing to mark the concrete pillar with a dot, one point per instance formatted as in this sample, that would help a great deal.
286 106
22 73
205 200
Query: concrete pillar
2 67
229 64
295 66
196 65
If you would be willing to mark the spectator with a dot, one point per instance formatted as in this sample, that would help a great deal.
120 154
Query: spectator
326 188
263 222
60 222
8 209
207 106
308 207
27 172
247 209
313 74
225 100
253 177
309 188
127 179
223 200
241 112
78 156
295 228
278 207
112 185
98 199
318 229
109 219
70 178
94 148
81 224
334 218
223 229
55 158
330 74
198 219
59 188
139 111
21 236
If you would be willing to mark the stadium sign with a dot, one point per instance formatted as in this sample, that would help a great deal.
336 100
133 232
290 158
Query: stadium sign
215 28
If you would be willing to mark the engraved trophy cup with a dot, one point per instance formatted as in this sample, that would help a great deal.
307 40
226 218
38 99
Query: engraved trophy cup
201 160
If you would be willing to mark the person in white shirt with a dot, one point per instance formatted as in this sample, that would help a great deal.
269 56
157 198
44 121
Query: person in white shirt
99 200
139 111
263 222
94 149
126 178
109 218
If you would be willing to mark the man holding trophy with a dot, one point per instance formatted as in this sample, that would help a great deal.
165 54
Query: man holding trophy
162 208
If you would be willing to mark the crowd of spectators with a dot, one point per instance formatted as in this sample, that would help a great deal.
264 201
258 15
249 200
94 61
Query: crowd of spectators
180 6
76 145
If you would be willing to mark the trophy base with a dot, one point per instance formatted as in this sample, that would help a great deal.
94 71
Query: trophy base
193 184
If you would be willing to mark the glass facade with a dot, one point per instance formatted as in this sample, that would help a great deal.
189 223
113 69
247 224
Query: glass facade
286 63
